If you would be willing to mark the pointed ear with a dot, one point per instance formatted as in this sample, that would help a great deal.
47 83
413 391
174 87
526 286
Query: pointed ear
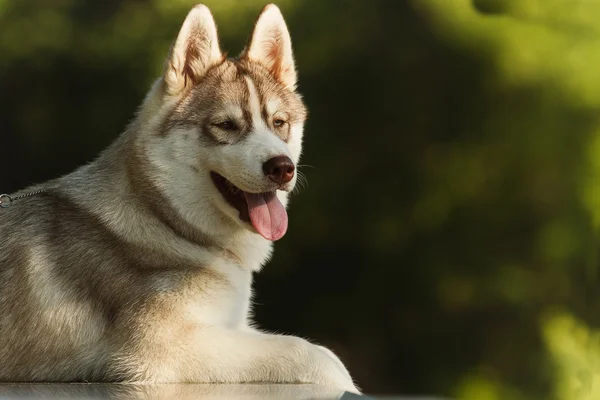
195 50
271 45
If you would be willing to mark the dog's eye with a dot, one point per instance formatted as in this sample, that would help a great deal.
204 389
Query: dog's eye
278 123
226 125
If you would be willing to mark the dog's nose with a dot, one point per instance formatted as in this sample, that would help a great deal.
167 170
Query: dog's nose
279 169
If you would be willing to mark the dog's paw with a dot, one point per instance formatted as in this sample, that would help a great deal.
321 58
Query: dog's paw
323 367
348 383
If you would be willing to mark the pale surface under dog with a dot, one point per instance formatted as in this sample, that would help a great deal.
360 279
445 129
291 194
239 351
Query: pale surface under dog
135 267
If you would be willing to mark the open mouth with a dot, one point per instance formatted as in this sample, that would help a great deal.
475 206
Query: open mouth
263 211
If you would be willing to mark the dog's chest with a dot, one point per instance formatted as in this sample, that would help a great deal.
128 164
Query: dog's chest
224 299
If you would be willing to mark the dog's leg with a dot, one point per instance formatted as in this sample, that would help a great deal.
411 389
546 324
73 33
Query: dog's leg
219 355
242 356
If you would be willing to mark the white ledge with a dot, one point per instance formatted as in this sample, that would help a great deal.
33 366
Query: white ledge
177 391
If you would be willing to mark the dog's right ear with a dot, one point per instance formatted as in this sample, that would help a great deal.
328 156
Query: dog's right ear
194 52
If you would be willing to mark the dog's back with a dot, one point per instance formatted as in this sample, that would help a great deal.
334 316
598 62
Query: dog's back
49 314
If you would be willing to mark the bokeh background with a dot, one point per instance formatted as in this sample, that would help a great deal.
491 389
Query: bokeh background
447 242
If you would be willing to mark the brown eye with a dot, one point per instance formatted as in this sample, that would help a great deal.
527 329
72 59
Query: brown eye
228 125
278 123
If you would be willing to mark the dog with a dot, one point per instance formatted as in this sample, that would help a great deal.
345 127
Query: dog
138 266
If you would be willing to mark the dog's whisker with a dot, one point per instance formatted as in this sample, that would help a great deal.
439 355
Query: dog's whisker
301 183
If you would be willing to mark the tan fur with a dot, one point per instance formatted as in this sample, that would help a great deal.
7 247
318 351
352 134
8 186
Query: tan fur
134 267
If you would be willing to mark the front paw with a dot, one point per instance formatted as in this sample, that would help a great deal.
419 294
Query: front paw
325 368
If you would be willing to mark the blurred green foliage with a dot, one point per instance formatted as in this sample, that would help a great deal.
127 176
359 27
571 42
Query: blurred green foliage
448 240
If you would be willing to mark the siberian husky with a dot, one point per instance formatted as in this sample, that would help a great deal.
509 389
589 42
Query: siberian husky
138 266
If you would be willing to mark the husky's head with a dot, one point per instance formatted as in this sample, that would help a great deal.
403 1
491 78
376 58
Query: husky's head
226 133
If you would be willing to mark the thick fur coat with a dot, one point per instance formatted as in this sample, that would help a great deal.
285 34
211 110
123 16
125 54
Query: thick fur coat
138 266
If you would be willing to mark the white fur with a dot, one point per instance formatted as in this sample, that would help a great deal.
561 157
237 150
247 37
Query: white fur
54 301
227 306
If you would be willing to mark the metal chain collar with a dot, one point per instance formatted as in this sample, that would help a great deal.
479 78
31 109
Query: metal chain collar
7 201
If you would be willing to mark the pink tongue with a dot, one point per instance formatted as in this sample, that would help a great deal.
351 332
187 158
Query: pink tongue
267 214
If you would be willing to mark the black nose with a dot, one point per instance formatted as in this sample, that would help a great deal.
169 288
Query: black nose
279 169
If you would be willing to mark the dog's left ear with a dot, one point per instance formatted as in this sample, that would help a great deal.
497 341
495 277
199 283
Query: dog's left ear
195 50
271 45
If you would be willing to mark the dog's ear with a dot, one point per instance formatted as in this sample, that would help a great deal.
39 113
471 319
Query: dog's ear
195 50
271 45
